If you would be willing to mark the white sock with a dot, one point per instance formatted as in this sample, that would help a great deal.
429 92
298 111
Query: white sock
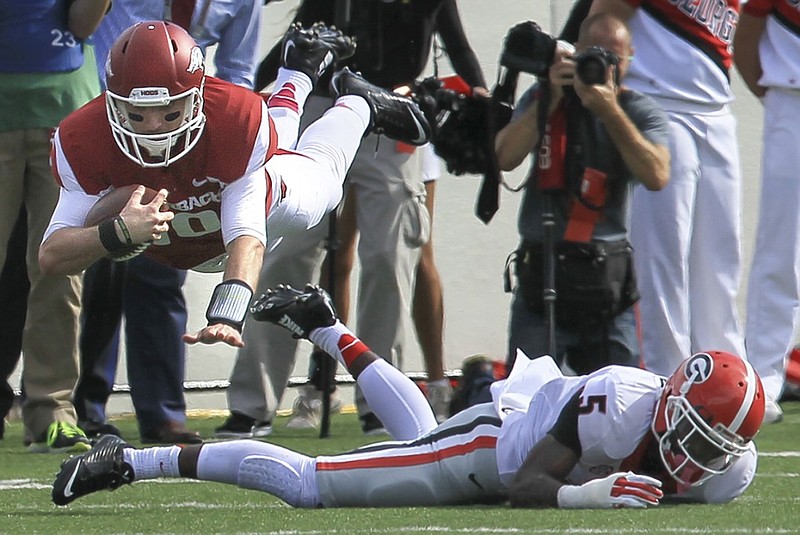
396 401
286 105
339 342
152 463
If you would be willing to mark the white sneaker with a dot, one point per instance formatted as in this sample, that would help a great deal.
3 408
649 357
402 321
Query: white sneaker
262 429
439 394
772 412
307 408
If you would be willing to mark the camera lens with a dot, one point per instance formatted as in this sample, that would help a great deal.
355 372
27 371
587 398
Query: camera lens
592 70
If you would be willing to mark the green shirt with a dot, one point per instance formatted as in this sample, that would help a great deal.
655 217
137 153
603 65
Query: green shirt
42 100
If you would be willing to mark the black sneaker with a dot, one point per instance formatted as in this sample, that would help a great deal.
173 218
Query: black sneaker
393 115
239 425
791 392
313 50
298 312
101 468
477 376
371 425
94 429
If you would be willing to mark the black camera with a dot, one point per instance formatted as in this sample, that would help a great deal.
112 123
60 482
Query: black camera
591 65
528 49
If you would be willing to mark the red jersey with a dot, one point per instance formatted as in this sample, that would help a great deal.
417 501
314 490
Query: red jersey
236 142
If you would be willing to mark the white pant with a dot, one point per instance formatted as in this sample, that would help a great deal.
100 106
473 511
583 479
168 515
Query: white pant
313 174
453 464
772 293
389 196
687 244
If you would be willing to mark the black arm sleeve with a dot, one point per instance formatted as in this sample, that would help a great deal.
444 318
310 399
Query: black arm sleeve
463 58
565 430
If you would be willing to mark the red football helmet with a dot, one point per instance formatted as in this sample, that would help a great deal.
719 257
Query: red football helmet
155 64
709 411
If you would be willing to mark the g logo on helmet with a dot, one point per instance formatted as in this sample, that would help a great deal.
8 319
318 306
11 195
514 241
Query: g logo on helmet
697 370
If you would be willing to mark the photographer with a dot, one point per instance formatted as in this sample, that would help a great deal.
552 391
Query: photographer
600 138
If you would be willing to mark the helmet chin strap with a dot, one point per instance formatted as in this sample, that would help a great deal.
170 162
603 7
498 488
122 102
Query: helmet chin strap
156 148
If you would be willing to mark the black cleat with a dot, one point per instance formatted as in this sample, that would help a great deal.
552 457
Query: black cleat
101 468
313 50
393 115
296 311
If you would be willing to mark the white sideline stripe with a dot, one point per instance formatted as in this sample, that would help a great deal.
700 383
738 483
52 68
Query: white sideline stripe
779 454
78 506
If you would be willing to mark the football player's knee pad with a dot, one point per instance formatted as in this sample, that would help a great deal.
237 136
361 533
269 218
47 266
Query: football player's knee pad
276 477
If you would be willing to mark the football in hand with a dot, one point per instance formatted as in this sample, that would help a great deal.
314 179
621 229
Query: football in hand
109 206
112 203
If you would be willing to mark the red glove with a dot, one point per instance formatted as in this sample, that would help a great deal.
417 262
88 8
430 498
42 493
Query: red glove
617 490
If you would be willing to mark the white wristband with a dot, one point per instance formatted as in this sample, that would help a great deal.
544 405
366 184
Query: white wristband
229 303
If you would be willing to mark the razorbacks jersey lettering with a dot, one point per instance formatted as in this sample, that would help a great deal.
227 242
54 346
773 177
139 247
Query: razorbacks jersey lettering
237 141
683 49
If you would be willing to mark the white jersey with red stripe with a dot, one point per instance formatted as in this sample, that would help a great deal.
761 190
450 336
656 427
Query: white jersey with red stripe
779 48
473 456
614 418
683 49
614 415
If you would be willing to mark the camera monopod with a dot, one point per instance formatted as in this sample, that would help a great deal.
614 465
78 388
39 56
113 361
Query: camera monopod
342 16
325 364
549 183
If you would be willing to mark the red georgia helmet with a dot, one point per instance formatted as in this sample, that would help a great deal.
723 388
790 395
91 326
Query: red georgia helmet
709 411
154 64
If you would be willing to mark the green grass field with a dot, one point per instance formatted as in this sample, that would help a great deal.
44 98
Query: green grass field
771 505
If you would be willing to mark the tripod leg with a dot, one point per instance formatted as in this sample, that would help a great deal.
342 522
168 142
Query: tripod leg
326 377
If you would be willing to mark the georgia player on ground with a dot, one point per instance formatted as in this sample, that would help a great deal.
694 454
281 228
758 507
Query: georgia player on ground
620 437
204 145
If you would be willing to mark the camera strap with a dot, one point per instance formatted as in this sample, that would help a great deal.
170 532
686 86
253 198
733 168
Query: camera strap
559 143
550 168
585 212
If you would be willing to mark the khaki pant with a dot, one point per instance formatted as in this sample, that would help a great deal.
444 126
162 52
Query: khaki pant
50 339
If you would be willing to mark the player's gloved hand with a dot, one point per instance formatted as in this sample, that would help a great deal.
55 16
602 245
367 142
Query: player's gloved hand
618 490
